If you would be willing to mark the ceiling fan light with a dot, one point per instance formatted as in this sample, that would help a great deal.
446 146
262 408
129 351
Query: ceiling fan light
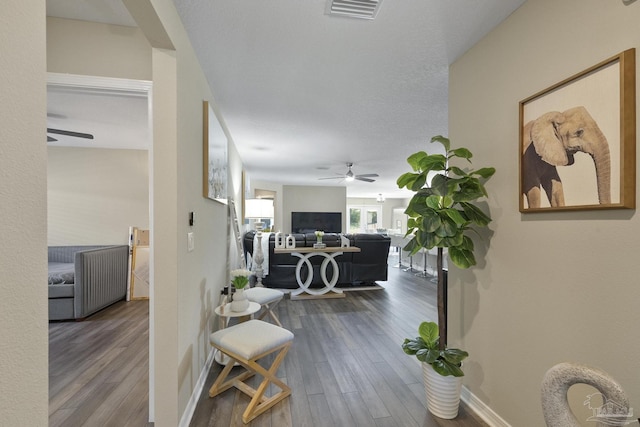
349 176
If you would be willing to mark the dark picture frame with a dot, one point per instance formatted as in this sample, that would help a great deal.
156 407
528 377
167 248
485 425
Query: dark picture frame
215 160
566 133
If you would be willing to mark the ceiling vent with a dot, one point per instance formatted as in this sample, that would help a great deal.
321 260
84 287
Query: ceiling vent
362 9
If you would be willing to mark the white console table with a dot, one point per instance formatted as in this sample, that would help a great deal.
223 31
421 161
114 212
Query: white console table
329 253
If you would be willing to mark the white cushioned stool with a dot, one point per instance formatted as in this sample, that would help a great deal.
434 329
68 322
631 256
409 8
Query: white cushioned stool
268 299
246 343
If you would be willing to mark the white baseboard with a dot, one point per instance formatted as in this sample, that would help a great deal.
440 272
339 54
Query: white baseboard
197 391
481 409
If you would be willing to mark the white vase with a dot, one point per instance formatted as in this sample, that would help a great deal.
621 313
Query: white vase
443 393
240 301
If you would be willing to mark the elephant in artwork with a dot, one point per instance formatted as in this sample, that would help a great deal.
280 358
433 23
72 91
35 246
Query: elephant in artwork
552 140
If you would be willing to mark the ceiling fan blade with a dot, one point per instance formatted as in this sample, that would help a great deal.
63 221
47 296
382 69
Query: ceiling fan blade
333 177
360 178
49 139
70 133
367 175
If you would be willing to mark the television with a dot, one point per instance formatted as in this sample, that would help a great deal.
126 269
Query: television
308 222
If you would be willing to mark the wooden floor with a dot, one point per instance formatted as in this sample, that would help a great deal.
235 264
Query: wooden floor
345 368
99 368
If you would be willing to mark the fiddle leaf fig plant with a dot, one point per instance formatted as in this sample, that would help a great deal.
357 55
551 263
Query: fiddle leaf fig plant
425 348
442 212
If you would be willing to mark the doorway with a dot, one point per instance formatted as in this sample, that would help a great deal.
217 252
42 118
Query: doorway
100 186
365 219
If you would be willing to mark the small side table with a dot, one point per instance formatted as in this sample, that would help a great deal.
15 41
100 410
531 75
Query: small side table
225 313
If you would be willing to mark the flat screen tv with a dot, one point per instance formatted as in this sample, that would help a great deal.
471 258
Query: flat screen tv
308 222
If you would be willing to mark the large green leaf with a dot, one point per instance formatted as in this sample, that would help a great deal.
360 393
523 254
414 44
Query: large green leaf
407 180
457 171
454 356
462 153
445 369
442 140
462 258
411 246
439 184
434 162
453 241
448 228
485 172
415 159
470 189
455 215
419 182
467 243
431 221
425 239
475 214
428 331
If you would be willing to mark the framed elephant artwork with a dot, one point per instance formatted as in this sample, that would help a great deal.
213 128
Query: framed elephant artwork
577 141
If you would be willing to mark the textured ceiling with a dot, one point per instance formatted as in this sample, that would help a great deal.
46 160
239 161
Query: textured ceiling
302 92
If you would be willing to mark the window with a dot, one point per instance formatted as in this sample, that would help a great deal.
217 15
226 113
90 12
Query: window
365 219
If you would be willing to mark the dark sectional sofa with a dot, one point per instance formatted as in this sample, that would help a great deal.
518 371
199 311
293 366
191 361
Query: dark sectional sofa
85 279
356 268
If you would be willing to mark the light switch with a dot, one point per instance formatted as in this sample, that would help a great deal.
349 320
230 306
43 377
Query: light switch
190 242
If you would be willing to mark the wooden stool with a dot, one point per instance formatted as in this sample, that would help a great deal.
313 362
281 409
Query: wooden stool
268 299
246 343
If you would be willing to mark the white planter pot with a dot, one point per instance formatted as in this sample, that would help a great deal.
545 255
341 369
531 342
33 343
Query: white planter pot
240 301
443 393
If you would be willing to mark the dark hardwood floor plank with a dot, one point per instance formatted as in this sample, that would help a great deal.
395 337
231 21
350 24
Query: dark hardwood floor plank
357 407
375 405
320 412
95 364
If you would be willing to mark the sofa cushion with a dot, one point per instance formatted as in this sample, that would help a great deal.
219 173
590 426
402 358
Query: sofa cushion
61 273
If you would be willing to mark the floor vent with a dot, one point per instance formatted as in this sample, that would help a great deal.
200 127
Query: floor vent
362 9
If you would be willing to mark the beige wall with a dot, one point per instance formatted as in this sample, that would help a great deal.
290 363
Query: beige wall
552 287
312 199
23 224
123 52
95 194
187 283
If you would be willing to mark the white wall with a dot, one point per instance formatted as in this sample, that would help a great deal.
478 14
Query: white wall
312 199
95 194
23 224
552 287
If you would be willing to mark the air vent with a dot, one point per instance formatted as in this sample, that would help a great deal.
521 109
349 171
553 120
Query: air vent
362 9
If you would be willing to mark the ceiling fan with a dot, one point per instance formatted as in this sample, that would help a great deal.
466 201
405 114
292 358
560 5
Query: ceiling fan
67 133
350 176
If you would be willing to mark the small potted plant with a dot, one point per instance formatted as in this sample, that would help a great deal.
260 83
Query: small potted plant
441 370
239 279
319 244
442 214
